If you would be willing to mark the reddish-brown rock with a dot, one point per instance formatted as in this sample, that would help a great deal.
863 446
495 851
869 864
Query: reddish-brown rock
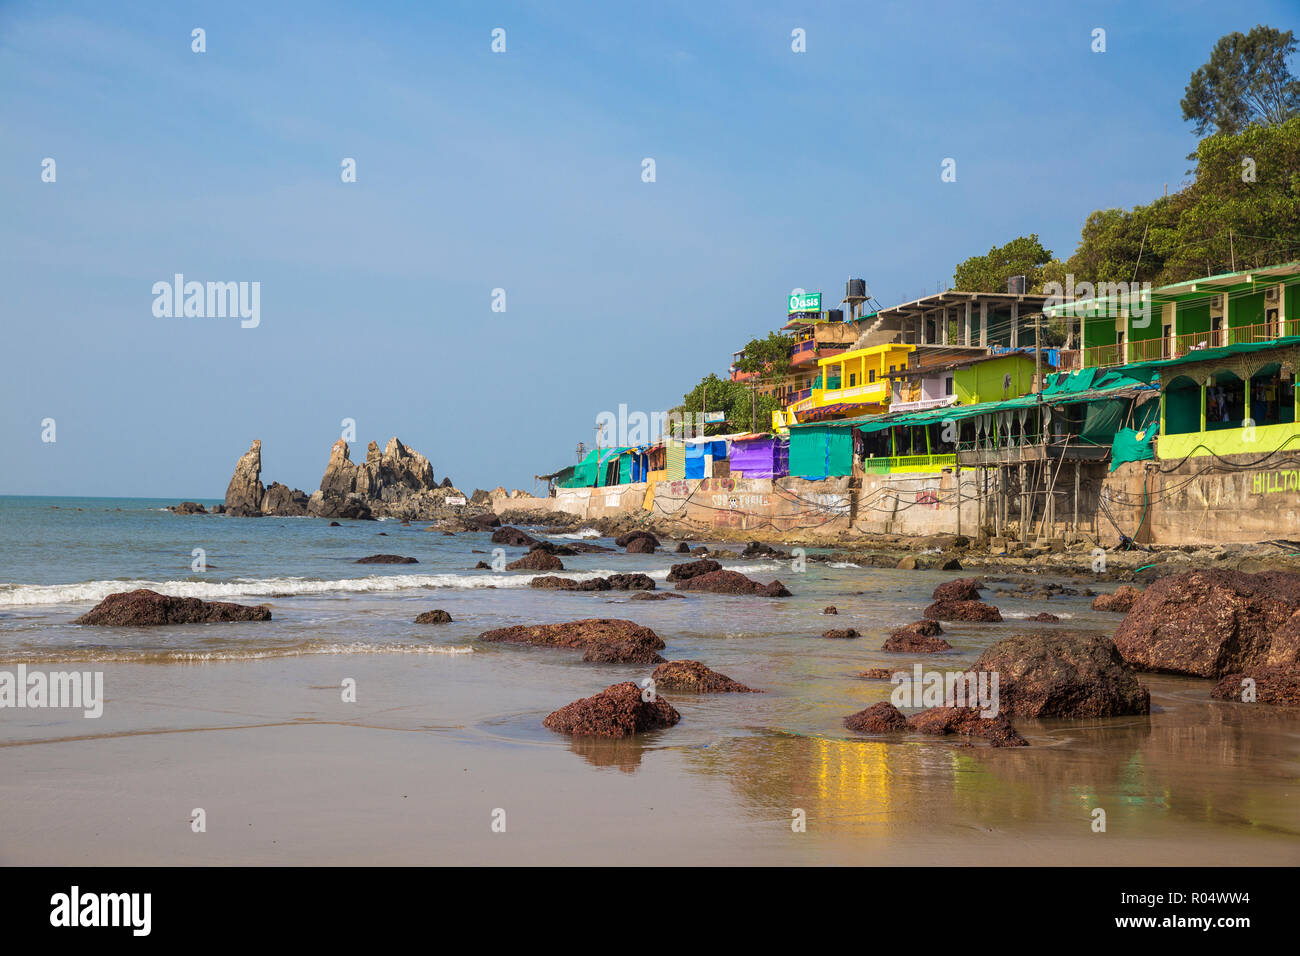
841 633
1209 623
881 718
536 561
1121 600
692 569
1279 684
967 722
732 582
386 559
877 673
438 616
603 640
641 546
512 537
1063 674
1044 618
830 610
909 640
145 608
617 711
962 611
959 589
624 540
694 676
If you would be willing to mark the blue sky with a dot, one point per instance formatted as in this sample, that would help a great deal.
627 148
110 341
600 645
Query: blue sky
520 171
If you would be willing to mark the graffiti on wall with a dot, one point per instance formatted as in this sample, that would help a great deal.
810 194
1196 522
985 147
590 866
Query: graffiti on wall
1272 482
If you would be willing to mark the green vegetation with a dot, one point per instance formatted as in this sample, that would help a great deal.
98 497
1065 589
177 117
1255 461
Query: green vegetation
744 408
1246 81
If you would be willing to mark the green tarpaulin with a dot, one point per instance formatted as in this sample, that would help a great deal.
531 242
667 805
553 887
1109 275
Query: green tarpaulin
821 451
584 473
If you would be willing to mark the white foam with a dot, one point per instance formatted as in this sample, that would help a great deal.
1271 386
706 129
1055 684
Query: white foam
581 533
102 655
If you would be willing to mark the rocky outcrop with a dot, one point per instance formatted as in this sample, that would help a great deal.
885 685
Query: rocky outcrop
188 508
145 608
655 596
245 491
642 545
841 633
1043 618
959 589
513 537
967 722
536 561
625 540
1063 675
615 582
917 638
962 611
731 582
831 609
602 640
881 718
617 711
692 569
1121 600
1213 623
437 616
1278 685
282 500
386 559
694 676
396 482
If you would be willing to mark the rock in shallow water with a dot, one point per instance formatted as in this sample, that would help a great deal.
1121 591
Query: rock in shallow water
603 640
694 676
731 582
1212 623
536 561
960 589
437 616
967 722
963 611
145 608
617 711
386 559
881 718
692 569
1063 675
1278 685
1121 600
917 639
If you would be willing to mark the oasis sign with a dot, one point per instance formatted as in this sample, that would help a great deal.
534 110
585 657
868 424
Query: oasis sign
805 301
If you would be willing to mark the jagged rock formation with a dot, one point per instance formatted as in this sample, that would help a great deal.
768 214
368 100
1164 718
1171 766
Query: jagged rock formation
397 482
245 491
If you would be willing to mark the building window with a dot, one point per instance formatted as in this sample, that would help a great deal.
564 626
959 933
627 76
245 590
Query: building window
947 385
871 375
853 379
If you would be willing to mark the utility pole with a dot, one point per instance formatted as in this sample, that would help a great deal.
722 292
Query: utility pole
597 454
1038 354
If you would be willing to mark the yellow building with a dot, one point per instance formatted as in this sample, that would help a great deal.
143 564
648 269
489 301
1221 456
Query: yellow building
850 384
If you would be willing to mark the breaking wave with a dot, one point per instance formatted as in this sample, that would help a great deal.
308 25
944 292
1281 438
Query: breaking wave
128 655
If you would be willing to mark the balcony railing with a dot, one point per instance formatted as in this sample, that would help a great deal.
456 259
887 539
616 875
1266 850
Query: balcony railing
1176 346
900 463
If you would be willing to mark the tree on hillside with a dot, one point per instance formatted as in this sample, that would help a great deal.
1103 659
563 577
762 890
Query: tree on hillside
736 400
1241 211
1023 256
1246 80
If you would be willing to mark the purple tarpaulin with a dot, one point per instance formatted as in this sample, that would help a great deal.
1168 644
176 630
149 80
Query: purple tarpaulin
760 458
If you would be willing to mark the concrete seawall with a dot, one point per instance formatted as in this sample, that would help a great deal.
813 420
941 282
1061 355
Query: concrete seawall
1196 502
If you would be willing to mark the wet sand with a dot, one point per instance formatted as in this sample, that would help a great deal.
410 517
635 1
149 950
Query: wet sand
411 774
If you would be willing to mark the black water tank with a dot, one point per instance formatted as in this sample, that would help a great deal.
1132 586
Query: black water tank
835 315
855 289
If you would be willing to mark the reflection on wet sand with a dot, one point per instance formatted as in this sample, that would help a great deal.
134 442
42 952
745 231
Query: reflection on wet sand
1223 767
